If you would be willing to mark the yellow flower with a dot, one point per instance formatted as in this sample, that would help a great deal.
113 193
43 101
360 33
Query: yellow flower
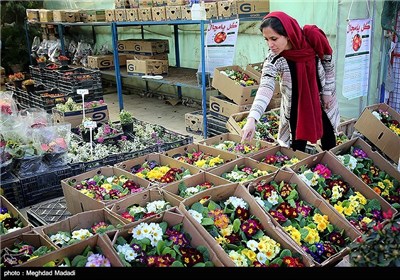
215 161
249 254
361 198
227 231
200 163
348 211
221 240
381 185
107 187
164 169
338 206
322 226
4 216
247 149
366 220
294 233
312 236
388 183
140 175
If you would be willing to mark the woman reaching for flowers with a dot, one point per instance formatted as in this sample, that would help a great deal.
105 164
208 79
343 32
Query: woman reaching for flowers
302 59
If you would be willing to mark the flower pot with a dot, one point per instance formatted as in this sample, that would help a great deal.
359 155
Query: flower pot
30 88
18 83
86 136
56 159
127 128
29 165
41 65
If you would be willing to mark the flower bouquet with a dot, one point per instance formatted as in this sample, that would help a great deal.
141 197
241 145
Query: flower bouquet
381 182
21 250
303 221
167 241
245 239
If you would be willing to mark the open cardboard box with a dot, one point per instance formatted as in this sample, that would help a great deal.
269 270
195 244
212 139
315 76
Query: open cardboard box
223 193
83 220
285 151
142 199
195 180
161 159
218 139
75 118
328 159
307 195
98 240
247 162
379 134
192 148
173 217
31 238
26 226
237 93
78 202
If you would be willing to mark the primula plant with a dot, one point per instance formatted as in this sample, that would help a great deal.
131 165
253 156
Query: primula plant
239 77
243 174
200 159
305 224
160 245
185 191
351 204
382 183
136 212
20 253
266 128
102 187
379 246
387 120
241 235
279 160
8 223
90 257
153 172
64 238
238 148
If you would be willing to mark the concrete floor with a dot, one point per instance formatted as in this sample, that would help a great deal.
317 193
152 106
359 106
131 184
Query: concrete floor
152 110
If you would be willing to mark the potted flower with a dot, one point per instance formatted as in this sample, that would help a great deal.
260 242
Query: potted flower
41 61
29 85
17 79
85 132
63 60
126 121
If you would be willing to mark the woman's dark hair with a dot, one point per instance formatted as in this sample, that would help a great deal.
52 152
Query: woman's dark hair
275 24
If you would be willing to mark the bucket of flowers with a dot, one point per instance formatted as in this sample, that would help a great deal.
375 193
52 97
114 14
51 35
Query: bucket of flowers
29 85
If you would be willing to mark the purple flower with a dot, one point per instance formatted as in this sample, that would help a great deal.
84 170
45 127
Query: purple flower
97 260
358 153
124 138
152 164
3 210
100 140
320 248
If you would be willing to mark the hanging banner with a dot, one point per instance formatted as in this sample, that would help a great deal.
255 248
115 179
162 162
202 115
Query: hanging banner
357 58
220 43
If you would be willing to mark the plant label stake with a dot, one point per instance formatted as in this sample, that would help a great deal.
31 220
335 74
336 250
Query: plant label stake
83 92
90 125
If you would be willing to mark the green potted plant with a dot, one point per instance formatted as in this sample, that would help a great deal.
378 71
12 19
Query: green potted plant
380 246
126 119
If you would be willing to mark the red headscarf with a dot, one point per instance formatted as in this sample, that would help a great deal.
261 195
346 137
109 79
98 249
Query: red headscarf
306 44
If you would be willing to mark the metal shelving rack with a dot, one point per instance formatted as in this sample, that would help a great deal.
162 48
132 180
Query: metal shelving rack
175 71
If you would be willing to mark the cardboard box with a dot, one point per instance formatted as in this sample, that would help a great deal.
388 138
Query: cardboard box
120 3
177 2
173 12
224 106
347 127
144 46
192 148
99 241
252 8
160 56
237 139
120 15
226 9
194 120
195 180
66 16
285 151
45 15
379 134
211 10
238 94
174 217
96 15
159 3
32 15
228 167
305 194
186 13
328 159
110 15
26 226
160 159
158 13
378 160
255 68
142 199
133 4
147 67
32 239
78 202
98 114
83 220
145 14
145 3
132 14
105 61
223 193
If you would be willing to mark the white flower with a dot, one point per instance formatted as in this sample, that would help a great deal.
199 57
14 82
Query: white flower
196 215
236 202
261 257
252 245
273 199
127 251
259 201
376 114
81 234
157 206
192 190
136 210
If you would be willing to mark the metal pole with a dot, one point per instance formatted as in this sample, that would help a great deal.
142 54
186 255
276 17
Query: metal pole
177 55
203 79
28 43
114 33
61 35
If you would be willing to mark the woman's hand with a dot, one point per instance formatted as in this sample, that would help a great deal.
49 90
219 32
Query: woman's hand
249 129
327 101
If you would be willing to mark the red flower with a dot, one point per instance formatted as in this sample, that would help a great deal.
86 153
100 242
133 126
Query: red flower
127 216
242 213
388 214
286 190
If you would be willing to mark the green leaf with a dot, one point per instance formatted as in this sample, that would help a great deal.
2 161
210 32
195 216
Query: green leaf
236 225
197 207
303 232
77 260
330 228
293 195
177 264
67 262
285 253
258 235
199 265
309 176
232 247
292 203
160 247
212 205
373 204
163 226
209 264
86 251
277 261
396 205
207 222
182 187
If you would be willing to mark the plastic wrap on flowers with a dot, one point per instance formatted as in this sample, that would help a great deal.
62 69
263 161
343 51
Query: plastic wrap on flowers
54 143
8 108
34 117
6 160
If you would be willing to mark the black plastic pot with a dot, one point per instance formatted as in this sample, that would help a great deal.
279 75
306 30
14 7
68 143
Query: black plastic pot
127 128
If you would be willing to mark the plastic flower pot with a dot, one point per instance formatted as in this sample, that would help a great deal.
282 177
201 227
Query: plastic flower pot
6 167
30 88
42 64
17 83
29 165
86 136
56 159
127 128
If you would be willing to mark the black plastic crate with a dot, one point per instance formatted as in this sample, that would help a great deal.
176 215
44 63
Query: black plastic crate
49 97
82 167
36 74
48 212
49 77
45 186
11 189
217 125
78 78
139 153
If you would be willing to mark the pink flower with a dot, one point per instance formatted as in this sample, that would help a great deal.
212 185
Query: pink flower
100 140
323 171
